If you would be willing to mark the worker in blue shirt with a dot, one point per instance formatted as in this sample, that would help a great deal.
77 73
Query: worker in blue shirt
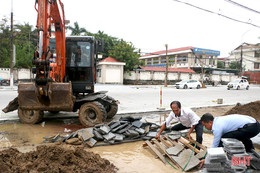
240 127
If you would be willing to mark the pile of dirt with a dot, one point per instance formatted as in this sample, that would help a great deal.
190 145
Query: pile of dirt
252 109
54 159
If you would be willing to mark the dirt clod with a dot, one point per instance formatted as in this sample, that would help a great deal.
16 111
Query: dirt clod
54 159
252 109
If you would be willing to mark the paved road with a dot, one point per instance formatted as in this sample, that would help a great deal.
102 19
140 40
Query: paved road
145 98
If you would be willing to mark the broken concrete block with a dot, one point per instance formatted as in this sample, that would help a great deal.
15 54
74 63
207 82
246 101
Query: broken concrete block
137 124
109 136
119 137
152 134
86 134
129 118
124 129
105 129
98 136
91 142
119 127
132 133
140 130
115 124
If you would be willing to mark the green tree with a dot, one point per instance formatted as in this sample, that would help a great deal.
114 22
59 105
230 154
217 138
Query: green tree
76 30
4 44
220 64
125 52
24 41
109 41
235 65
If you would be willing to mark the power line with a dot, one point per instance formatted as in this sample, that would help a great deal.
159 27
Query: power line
240 5
230 18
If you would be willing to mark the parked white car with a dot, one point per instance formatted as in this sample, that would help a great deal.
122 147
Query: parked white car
188 84
238 84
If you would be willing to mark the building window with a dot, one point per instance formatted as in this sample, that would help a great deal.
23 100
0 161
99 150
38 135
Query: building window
155 60
257 53
149 61
256 65
99 72
163 60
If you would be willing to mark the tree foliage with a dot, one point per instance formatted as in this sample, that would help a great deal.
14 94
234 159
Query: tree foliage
125 52
76 30
24 41
220 64
235 65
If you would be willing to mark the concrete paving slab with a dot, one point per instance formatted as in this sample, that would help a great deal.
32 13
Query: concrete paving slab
174 151
152 134
137 124
109 136
121 131
105 129
183 159
140 130
114 125
98 136
131 133
201 154
119 137
91 142
86 134
120 127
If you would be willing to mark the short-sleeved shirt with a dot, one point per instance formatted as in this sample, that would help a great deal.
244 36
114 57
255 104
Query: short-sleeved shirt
225 124
188 118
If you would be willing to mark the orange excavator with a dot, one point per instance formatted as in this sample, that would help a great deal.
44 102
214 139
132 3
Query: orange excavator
64 82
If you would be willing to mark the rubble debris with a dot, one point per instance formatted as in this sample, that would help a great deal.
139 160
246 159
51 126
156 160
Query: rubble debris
126 129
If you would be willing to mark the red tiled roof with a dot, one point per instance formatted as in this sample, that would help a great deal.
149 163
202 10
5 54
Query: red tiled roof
186 70
109 59
169 51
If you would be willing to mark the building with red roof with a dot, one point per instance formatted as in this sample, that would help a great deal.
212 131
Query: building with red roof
182 58
109 70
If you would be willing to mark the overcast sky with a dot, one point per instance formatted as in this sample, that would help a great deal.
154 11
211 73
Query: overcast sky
150 24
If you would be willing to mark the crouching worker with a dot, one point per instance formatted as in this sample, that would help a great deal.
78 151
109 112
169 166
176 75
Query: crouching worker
187 119
240 127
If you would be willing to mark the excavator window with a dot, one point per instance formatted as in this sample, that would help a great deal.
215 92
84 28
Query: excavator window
78 54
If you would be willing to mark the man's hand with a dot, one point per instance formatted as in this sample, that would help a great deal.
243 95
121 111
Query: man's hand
157 136
202 163
188 136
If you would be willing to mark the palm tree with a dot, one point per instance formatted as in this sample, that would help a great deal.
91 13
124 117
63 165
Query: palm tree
76 30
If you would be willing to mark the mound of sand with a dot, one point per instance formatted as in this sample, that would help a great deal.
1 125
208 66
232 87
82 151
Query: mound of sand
252 109
52 159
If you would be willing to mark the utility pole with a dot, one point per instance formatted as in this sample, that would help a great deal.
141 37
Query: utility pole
166 71
241 59
12 50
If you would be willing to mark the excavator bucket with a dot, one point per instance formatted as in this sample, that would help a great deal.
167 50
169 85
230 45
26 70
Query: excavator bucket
52 97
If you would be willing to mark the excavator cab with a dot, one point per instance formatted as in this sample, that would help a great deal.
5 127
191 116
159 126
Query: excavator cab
80 63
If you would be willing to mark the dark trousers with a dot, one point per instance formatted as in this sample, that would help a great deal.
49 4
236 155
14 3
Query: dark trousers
198 129
244 134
